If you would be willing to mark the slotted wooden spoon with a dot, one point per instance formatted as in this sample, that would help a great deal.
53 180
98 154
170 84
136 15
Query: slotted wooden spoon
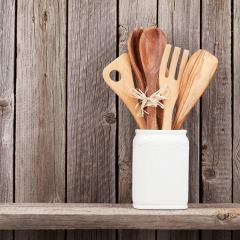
151 46
124 86
135 60
199 78
169 81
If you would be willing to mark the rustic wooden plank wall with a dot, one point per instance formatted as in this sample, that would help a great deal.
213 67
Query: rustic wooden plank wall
65 137
217 110
91 107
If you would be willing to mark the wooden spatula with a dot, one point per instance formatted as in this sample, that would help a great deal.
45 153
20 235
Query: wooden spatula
169 81
124 86
151 47
199 78
186 81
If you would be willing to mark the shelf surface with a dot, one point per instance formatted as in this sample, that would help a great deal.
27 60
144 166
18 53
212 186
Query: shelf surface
116 216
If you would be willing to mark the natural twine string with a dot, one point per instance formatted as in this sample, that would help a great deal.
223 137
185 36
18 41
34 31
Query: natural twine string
152 101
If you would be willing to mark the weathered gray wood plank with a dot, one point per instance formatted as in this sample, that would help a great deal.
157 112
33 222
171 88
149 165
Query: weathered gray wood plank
216 110
117 216
7 36
7 18
181 22
236 110
40 105
132 14
91 107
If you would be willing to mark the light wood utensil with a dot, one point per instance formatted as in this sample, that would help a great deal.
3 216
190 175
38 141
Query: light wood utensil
135 60
199 78
169 81
186 81
151 46
124 86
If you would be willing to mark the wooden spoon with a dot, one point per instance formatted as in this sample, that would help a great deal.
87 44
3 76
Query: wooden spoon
135 60
124 86
200 78
169 81
151 46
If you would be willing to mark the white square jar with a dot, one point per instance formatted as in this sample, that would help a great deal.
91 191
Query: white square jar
160 169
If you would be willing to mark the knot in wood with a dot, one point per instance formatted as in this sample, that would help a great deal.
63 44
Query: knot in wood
226 215
45 16
3 102
223 216
209 173
110 118
204 147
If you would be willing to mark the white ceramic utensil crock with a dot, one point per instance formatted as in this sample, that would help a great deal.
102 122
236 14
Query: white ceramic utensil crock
160 169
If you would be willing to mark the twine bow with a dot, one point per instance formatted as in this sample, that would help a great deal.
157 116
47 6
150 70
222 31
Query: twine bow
152 101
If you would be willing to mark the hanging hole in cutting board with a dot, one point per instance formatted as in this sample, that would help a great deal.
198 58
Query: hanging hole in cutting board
115 75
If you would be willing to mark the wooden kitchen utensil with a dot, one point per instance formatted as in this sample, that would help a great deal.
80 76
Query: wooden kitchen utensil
124 86
135 60
199 77
185 81
151 46
170 83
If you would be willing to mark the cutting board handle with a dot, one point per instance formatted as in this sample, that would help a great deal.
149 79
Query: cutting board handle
124 86
123 67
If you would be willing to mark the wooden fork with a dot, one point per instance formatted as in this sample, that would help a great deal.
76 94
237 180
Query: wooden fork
167 79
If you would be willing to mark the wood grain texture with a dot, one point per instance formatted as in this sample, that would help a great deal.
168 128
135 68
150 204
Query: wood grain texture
40 105
7 23
117 216
181 22
236 100
216 110
132 14
236 110
91 107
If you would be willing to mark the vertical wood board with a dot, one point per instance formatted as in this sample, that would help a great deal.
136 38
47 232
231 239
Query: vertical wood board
91 109
7 19
216 110
236 110
40 105
7 45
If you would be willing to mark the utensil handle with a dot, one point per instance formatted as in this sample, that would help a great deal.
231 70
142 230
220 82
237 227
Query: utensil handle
152 118
167 119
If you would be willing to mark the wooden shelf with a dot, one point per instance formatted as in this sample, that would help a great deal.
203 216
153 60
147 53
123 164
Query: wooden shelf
116 216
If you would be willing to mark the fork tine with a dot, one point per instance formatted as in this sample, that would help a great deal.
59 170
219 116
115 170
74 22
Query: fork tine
183 64
174 61
164 61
